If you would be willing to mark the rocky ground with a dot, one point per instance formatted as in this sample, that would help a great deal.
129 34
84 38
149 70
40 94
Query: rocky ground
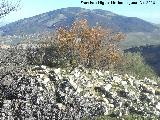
44 93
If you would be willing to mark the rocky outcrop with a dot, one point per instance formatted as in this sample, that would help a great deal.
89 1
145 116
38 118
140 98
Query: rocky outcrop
72 94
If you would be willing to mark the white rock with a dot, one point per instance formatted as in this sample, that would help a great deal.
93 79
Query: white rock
123 83
120 114
154 83
57 71
89 84
120 104
94 75
111 105
50 87
98 83
136 83
132 77
153 100
126 90
39 79
43 66
6 103
77 73
152 89
45 80
41 75
157 113
108 87
131 81
131 93
47 70
87 95
106 100
3 114
126 76
126 112
40 88
114 94
60 76
106 111
67 89
99 73
36 67
40 98
53 88
61 106
158 106
73 83
117 79
103 95
86 78
79 89
106 72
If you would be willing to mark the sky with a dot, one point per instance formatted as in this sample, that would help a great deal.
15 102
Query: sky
147 11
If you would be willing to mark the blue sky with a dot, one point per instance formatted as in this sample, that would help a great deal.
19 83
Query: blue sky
29 8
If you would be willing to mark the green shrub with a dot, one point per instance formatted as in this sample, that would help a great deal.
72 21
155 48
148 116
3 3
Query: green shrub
134 64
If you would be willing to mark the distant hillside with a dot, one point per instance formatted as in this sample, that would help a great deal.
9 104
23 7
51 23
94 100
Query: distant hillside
140 39
158 25
64 17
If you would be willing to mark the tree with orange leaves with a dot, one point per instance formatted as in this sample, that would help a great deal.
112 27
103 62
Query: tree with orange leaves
90 46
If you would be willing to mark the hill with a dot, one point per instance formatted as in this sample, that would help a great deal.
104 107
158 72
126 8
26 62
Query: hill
158 25
136 39
64 17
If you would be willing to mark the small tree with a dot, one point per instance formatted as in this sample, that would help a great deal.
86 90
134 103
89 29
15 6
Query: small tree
7 6
90 46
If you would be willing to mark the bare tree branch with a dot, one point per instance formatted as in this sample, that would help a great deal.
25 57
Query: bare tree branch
7 6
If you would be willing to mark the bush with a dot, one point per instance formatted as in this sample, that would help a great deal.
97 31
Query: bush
45 54
89 46
134 64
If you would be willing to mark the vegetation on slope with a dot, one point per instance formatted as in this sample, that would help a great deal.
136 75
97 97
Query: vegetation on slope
140 39
92 47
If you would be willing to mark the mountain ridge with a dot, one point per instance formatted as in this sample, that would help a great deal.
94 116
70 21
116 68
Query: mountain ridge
52 20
